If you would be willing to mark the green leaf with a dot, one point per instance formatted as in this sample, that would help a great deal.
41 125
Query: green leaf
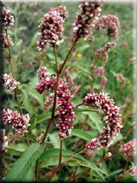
37 96
95 118
118 138
85 110
25 162
30 174
84 71
55 140
33 40
51 157
24 90
14 152
38 55
82 134
38 119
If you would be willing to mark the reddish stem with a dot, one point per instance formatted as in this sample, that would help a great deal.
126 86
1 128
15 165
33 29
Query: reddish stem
63 163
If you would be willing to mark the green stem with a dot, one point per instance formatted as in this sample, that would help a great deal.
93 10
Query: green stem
13 75
56 57
67 57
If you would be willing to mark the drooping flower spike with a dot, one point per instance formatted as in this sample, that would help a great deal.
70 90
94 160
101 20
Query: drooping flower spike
111 23
113 119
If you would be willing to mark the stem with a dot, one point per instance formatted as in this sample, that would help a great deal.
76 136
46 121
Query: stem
13 75
74 155
18 101
4 157
63 163
106 158
53 112
60 157
56 58
36 170
67 57
55 96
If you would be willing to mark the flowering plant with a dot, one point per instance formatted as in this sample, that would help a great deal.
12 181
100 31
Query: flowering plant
51 109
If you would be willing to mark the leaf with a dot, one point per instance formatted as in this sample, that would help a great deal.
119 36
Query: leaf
95 118
82 134
37 96
24 90
25 162
118 138
30 174
33 40
38 119
38 55
55 140
85 71
85 110
51 157
14 151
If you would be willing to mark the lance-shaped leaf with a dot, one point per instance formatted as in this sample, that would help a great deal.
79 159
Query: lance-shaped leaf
22 166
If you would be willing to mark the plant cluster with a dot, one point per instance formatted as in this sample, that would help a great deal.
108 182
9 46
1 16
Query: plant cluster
56 88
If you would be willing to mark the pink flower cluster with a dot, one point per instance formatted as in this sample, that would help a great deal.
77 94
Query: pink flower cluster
68 77
109 46
99 72
64 105
9 82
62 10
49 83
93 144
65 111
130 148
7 18
5 41
121 77
51 30
111 23
103 83
106 48
125 44
49 101
133 59
113 118
84 20
74 90
132 171
104 51
15 120
42 73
